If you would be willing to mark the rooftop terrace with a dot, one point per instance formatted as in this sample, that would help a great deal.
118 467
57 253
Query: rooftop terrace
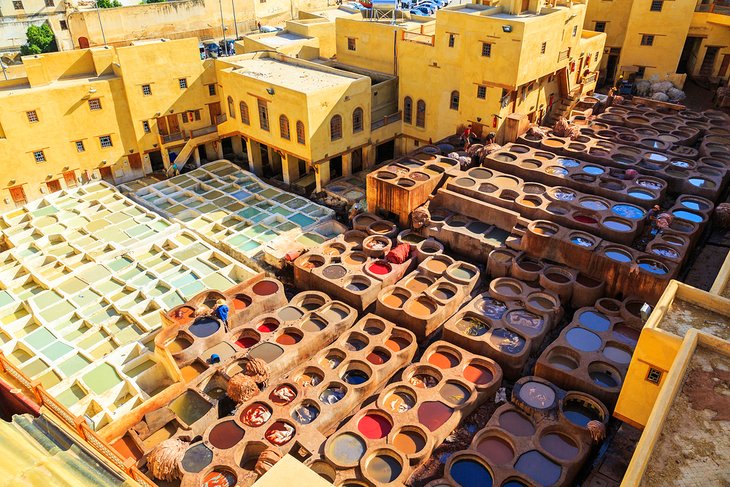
295 76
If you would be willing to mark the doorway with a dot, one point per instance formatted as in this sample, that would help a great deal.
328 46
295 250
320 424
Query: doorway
135 161
335 167
357 160
385 151
156 161
173 124
688 57
54 185
83 43
708 63
612 64
215 110
106 174
227 148
18 195
70 178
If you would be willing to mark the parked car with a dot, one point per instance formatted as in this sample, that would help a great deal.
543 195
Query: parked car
423 9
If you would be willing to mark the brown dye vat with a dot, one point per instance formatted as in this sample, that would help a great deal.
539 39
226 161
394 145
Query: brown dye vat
478 374
265 288
495 449
288 338
225 435
127 448
192 371
418 284
433 414
559 446
421 307
409 442
516 424
437 266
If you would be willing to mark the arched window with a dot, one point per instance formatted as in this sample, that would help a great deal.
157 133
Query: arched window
408 110
336 128
245 118
454 100
231 110
284 127
300 132
357 120
421 113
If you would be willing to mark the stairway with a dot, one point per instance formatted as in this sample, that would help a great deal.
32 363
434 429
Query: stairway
193 142
562 108
34 451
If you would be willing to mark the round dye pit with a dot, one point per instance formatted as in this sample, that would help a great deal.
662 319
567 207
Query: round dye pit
497 450
694 205
542 302
346 449
418 284
463 273
374 426
220 478
595 205
247 341
594 170
559 446
617 354
470 473
516 424
396 343
280 433
508 288
409 442
378 357
305 413
561 360
374 327
283 394
204 327
179 344
471 326
492 308
433 414
268 326
399 401
507 341
356 343
196 458
443 293
355 377
395 299
478 374
640 194
309 378
653 267
664 251
333 394
225 435
618 255
616 225
603 377
454 393
423 381
383 468
421 307
241 302
437 266
314 323
265 288
628 211
537 395
513 483
579 413
332 360
539 468
256 414
523 319
357 285
289 338
380 268
290 313
334 272
588 220
594 321
701 183
443 359
583 340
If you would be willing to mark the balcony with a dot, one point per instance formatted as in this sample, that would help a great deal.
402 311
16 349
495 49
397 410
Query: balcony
722 8
387 120
166 139
219 119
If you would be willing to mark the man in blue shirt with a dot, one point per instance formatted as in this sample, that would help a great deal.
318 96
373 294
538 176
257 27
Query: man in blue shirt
221 310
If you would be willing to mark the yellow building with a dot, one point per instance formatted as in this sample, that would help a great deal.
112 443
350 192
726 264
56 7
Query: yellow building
662 39
676 390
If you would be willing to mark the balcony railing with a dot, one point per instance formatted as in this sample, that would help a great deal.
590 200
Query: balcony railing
204 131
387 120
420 38
219 119
722 8
166 139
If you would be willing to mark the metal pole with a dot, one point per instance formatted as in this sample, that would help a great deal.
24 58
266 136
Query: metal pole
223 28
4 72
98 13
235 24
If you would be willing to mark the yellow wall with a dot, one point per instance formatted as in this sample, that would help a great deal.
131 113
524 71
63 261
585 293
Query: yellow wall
714 30
374 44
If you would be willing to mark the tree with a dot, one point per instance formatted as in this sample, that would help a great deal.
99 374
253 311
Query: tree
153 1
40 39
108 3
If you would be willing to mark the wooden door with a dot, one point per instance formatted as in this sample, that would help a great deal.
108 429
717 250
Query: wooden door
525 5
54 185
18 195
135 161
215 110
106 174
162 126
173 123
70 178
723 67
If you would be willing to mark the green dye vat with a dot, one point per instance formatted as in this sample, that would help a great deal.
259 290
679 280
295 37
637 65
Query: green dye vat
104 349
159 225
102 378
93 339
172 300
75 333
49 379
31 369
47 298
73 365
118 217
158 290
58 311
5 298
86 298
186 278
40 338
138 369
71 396
217 281
94 274
202 267
121 263
103 316
192 289
129 334
190 407
19 356
109 287
57 350
14 316
143 280
72 285
286 226
302 220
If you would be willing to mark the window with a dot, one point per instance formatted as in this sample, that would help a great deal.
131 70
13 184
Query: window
654 376
486 49
80 146
504 101
245 117
421 114
543 47
263 115
408 110
351 45
49 3
482 92
17 5
575 30
146 126
596 58
146 90
211 90
357 120
336 128
452 40
231 110
300 132
640 72
647 40
600 27
64 25
183 83
454 103
284 127
656 6
32 116
105 141
94 104
39 156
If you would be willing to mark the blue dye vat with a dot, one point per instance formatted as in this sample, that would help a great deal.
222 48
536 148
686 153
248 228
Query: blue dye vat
582 241
593 170
594 321
355 377
618 256
641 195
688 215
654 268
469 473
204 327
241 195
514 483
628 211
568 162
694 205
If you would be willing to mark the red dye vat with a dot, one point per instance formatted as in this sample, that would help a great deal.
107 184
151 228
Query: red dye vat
219 479
443 360
478 374
380 268
374 426
377 358
585 219
241 302
397 343
246 342
265 288
267 327
288 339
433 414
183 313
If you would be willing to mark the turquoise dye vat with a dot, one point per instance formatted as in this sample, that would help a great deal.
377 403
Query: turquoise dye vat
688 215
628 211
594 321
694 205
595 170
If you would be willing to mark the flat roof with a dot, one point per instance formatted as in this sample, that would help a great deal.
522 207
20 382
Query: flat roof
682 316
281 39
335 13
297 77
694 446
